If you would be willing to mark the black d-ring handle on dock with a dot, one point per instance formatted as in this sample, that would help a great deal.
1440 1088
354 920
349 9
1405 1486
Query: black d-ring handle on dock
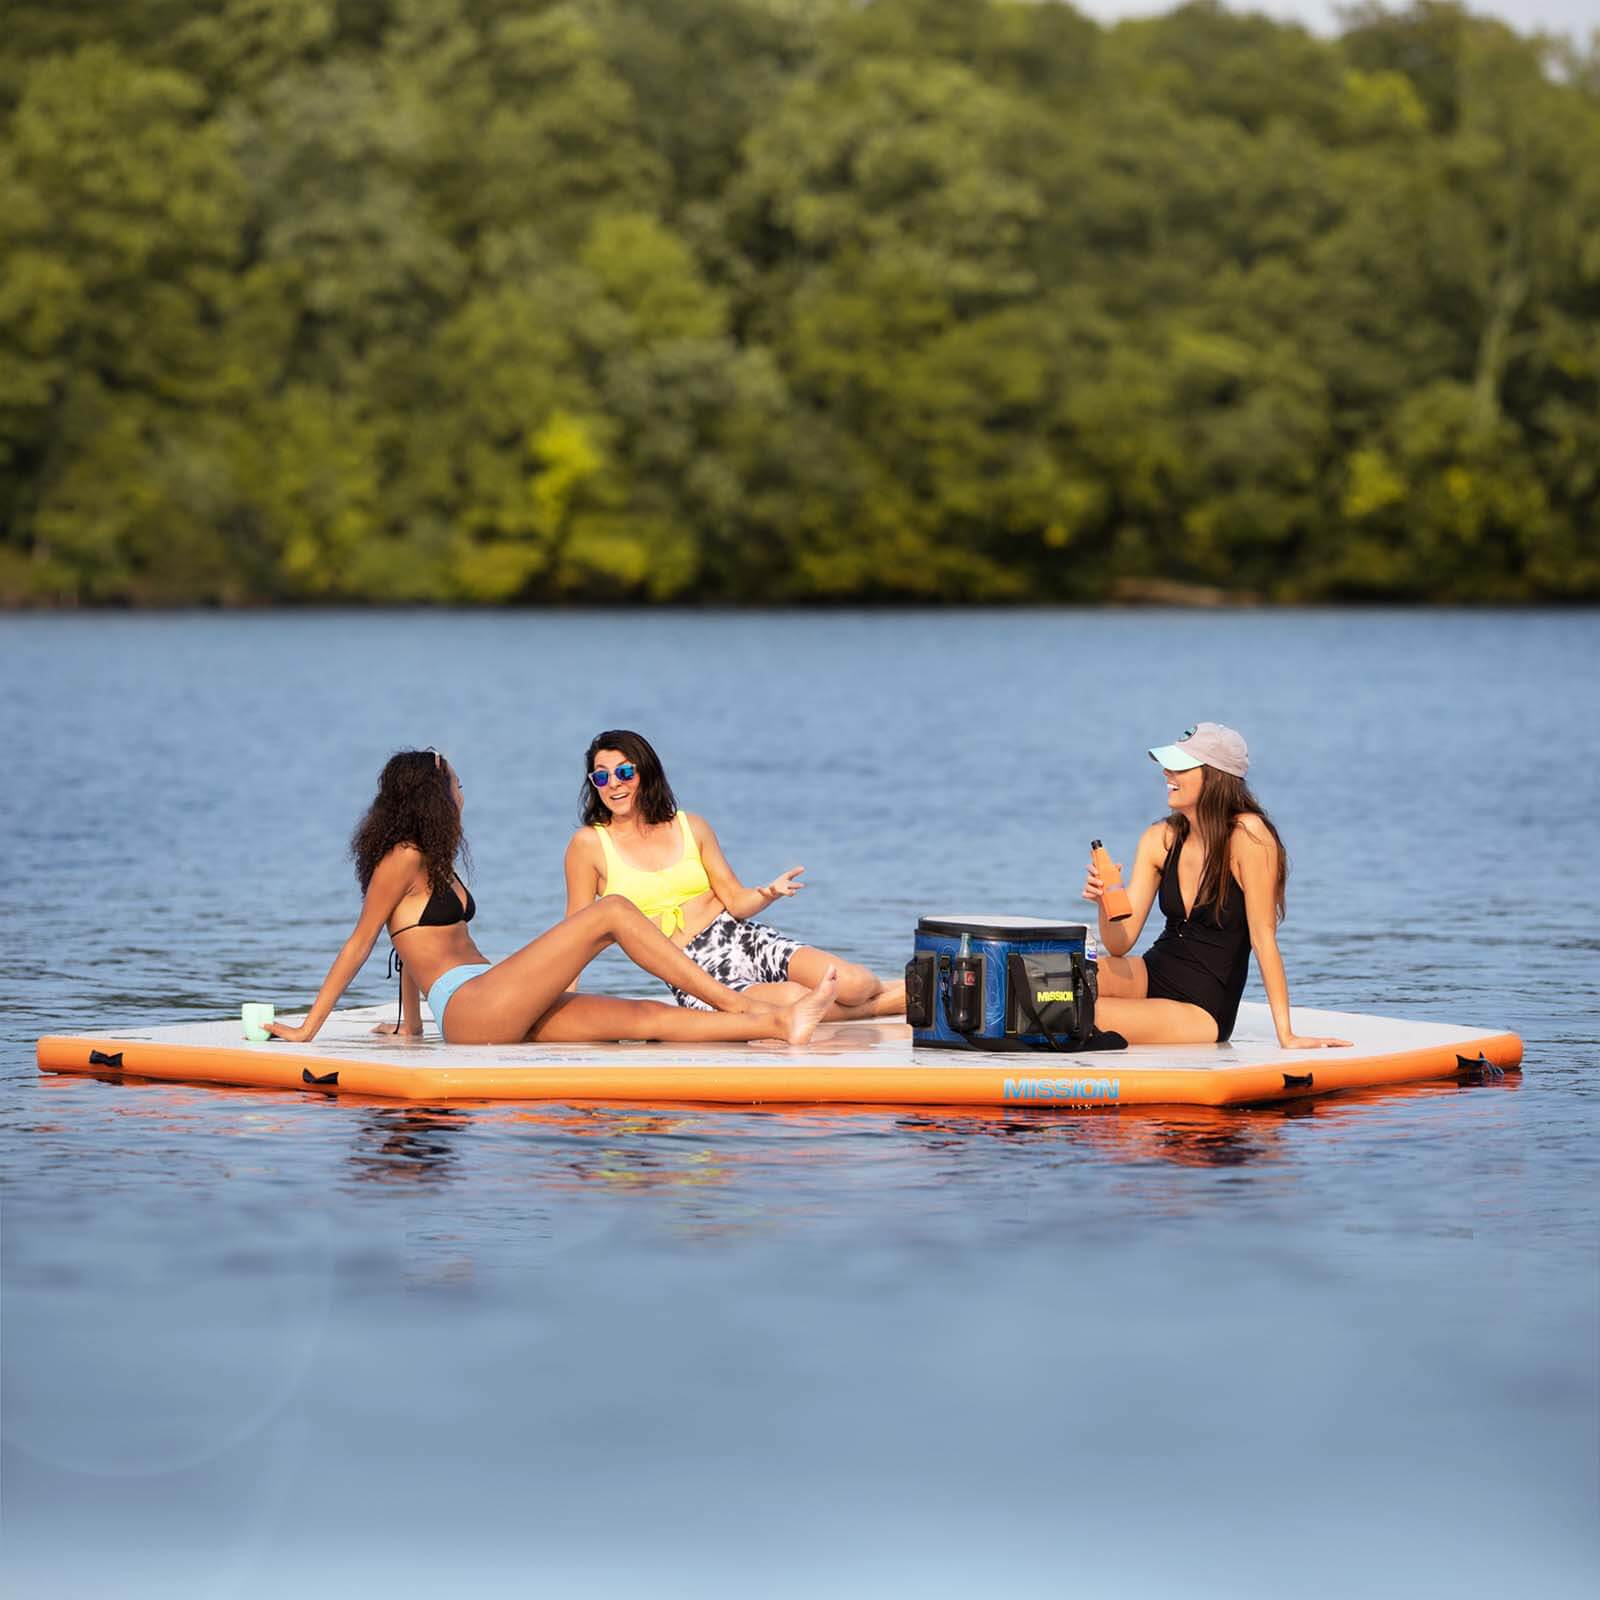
1483 1070
1297 1081
98 1058
328 1080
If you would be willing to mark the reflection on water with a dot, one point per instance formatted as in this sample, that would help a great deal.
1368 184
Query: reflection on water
797 1350
407 1144
1130 1137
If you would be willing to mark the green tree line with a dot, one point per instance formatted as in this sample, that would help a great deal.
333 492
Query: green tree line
484 301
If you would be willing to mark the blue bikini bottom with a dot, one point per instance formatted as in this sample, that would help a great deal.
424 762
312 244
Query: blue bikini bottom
446 984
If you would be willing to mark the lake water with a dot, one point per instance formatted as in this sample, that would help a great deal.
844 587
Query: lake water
258 1344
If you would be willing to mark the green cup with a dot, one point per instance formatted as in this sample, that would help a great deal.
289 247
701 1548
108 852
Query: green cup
256 1014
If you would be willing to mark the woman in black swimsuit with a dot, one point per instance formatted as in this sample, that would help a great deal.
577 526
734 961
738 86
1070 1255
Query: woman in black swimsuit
406 848
1217 864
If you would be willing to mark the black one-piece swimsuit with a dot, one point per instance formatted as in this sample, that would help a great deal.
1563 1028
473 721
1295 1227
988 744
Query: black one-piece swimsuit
1200 958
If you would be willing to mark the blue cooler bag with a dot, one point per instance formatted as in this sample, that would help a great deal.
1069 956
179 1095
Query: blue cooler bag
1002 983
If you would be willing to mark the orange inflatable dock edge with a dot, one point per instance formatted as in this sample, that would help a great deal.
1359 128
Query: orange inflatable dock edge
1030 1081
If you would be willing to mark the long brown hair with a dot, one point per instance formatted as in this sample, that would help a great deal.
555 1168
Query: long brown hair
1223 800
414 805
656 801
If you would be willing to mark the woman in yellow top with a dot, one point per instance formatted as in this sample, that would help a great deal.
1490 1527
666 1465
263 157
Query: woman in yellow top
406 849
635 842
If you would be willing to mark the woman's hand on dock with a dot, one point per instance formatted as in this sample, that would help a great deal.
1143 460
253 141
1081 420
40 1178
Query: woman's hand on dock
299 1033
398 1028
1300 1041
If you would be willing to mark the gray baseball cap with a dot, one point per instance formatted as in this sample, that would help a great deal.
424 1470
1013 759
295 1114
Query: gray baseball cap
1206 744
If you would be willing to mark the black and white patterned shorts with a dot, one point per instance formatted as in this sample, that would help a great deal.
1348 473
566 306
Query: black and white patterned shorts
738 954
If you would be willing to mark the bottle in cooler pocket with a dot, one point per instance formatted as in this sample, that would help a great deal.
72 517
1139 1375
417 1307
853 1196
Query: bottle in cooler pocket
966 980
1114 898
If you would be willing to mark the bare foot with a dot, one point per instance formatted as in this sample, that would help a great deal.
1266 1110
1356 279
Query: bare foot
800 1020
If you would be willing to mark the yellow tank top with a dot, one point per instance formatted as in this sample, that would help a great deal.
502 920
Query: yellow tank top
660 895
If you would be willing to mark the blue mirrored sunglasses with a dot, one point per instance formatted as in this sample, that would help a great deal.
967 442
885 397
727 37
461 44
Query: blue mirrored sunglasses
623 770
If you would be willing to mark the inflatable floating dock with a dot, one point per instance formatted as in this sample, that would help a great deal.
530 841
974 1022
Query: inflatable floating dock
852 1063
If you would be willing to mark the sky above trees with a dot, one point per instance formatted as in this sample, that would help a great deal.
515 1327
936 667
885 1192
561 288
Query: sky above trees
1577 17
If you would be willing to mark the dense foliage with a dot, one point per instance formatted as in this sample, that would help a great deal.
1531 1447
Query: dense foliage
779 300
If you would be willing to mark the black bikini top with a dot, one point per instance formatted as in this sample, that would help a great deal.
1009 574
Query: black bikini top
443 908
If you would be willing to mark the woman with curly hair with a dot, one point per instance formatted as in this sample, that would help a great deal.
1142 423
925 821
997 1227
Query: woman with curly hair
405 851
1216 867
636 842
